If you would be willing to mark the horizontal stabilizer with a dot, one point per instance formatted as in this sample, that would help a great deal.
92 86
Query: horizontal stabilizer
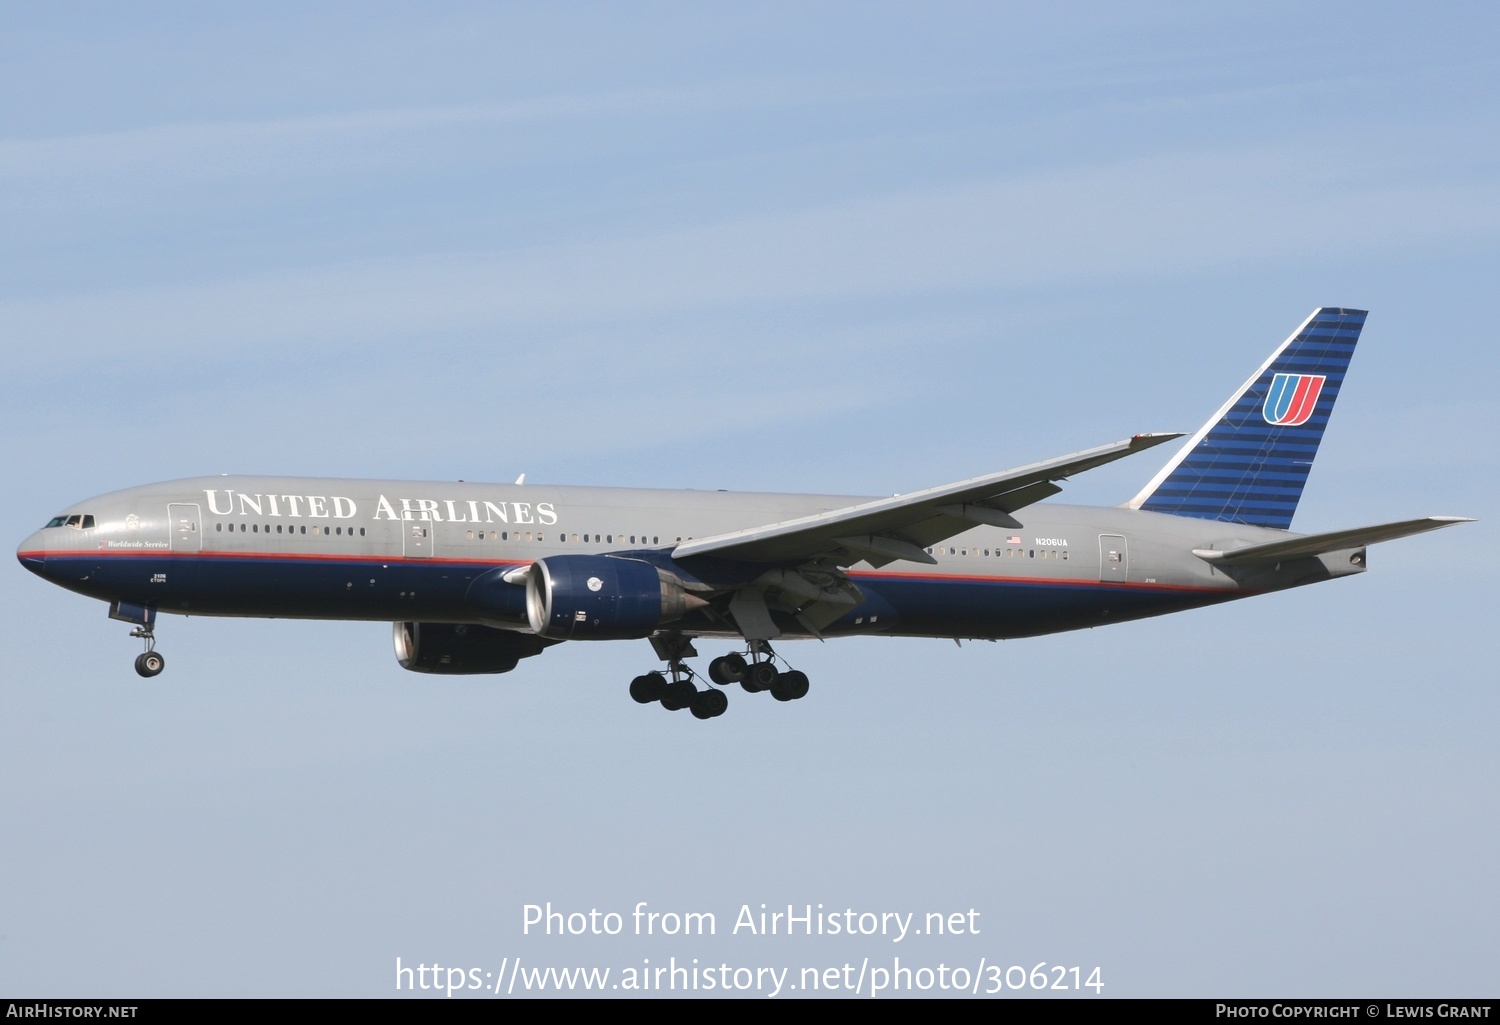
1333 541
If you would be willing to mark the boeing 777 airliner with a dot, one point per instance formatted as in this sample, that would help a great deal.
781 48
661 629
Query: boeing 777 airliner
477 577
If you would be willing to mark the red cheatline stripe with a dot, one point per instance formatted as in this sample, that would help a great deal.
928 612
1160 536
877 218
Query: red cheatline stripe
962 578
162 553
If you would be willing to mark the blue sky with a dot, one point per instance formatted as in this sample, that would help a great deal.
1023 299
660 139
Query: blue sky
808 247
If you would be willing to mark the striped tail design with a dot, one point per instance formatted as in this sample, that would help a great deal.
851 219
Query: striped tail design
1248 464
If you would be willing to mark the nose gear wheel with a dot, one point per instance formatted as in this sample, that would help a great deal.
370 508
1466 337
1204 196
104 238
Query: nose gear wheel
150 662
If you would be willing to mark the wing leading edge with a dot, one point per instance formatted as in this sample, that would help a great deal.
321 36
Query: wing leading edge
899 528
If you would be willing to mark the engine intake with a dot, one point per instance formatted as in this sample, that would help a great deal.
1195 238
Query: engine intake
597 598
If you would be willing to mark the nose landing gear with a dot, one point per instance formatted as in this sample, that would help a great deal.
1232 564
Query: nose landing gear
149 662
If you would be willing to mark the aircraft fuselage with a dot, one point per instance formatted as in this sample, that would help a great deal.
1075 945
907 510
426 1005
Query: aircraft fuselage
395 550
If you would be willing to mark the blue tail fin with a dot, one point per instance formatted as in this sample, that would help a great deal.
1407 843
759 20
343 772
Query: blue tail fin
1249 462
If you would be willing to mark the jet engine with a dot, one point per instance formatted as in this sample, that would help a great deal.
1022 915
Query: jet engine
494 598
457 648
598 598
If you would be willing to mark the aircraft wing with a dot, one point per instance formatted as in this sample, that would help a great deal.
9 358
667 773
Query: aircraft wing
889 529
1333 541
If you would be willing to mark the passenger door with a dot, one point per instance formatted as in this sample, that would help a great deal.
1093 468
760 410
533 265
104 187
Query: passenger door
1114 559
184 527
417 539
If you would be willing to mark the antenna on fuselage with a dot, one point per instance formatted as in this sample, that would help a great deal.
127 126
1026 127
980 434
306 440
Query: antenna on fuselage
521 479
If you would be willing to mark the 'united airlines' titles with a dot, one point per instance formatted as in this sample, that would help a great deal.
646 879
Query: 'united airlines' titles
340 507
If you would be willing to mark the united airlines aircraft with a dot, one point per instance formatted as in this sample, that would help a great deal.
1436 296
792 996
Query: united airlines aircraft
477 577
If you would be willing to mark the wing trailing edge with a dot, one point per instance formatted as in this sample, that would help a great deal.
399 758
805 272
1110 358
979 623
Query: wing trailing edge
888 529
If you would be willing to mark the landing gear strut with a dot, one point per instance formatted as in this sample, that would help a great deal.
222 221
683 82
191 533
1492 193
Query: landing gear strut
758 673
149 662
754 673
143 618
679 691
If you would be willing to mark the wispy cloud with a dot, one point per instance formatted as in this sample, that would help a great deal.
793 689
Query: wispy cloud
99 153
159 158
1177 214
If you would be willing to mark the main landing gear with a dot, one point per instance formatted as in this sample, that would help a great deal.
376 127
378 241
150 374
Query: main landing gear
678 693
759 673
755 674
150 661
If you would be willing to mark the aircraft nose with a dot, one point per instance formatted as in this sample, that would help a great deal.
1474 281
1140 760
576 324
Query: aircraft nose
32 554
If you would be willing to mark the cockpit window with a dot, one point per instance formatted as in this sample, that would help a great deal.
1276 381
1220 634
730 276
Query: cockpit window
83 521
88 522
56 521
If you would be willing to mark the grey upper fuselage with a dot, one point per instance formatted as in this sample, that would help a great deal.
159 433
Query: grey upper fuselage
401 550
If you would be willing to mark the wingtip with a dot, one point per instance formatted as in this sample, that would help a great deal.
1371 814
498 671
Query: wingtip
1145 441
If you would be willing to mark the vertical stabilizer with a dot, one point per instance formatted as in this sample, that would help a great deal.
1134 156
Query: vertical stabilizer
1248 464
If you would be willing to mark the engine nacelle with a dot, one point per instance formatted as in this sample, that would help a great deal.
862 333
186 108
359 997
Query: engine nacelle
596 598
457 648
494 599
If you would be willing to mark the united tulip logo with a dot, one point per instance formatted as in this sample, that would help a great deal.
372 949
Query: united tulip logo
1292 399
